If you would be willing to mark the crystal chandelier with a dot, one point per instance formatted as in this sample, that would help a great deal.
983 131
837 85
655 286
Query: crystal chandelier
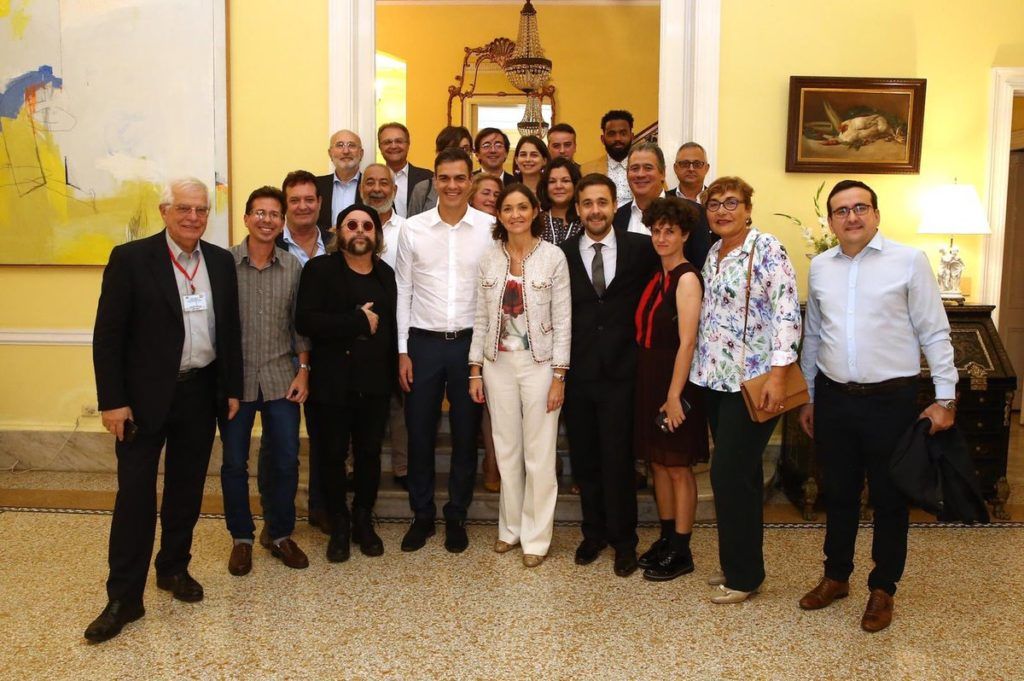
529 70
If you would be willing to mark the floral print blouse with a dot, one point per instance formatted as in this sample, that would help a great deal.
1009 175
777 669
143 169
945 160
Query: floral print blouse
773 327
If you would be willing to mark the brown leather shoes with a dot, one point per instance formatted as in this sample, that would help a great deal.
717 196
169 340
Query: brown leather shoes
822 595
240 562
878 614
290 554
265 540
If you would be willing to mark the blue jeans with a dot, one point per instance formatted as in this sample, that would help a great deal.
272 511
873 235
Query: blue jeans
281 429
315 494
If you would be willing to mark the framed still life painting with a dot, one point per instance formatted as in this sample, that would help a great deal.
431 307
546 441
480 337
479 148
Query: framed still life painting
861 125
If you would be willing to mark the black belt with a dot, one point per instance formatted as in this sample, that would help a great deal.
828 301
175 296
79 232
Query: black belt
892 385
189 374
441 335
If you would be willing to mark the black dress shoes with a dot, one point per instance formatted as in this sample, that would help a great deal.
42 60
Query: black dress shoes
455 538
671 564
182 586
588 551
339 547
416 537
652 555
112 619
625 563
363 534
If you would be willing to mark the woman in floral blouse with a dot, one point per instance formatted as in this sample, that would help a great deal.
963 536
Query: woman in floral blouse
725 358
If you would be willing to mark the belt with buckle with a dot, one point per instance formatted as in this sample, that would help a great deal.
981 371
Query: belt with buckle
189 374
880 388
441 335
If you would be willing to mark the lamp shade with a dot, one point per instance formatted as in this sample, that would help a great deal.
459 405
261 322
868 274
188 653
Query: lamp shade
953 209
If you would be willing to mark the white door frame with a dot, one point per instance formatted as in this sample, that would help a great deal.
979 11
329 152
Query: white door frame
1006 83
688 78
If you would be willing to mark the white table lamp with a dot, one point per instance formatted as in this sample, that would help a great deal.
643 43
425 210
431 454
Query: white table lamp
952 209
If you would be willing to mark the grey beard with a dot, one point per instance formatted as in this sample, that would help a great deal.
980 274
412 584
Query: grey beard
383 207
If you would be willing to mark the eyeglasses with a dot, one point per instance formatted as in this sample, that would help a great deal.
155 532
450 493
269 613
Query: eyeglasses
858 209
200 211
497 146
347 145
355 226
729 204
267 214
696 165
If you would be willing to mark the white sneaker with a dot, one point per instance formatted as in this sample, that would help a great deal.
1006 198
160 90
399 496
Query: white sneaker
726 595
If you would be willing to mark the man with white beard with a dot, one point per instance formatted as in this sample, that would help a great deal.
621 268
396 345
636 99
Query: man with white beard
340 189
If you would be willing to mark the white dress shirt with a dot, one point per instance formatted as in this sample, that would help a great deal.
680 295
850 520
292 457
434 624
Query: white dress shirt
402 197
344 195
392 228
636 218
199 348
608 254
869 318
300 252
436 271
617 174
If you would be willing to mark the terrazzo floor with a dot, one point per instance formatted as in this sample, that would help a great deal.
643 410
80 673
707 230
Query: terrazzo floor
481 615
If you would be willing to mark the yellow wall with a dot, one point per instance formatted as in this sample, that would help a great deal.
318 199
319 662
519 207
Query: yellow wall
950 43
590 73
278 119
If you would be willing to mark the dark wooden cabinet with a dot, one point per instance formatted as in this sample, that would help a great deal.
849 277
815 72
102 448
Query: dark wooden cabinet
985 392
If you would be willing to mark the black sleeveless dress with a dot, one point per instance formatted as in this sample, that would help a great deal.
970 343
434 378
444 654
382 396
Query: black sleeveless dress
657 326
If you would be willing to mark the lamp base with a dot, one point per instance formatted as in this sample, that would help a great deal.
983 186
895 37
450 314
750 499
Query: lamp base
953 298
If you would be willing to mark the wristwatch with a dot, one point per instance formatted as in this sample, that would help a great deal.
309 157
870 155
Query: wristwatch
946 404
306 367
559 377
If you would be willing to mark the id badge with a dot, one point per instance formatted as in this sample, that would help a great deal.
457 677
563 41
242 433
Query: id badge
195 302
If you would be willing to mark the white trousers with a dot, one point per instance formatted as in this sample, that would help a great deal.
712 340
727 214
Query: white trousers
525 436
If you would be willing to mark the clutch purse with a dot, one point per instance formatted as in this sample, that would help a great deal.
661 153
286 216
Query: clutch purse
795 390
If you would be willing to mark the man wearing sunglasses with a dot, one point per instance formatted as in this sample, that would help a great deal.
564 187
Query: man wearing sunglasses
346 307
873 307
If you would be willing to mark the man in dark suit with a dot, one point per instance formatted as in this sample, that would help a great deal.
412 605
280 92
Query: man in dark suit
691 167
340 189
645 171
393 140
167 351
608 269
492 147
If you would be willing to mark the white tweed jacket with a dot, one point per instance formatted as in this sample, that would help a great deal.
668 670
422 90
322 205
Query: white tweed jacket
546 300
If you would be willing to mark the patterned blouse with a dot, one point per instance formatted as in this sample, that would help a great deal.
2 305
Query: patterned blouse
773 328
557 230
514 335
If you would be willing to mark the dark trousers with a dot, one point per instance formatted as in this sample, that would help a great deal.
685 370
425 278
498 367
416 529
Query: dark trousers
188 433
737 479
599 423
265 465
440 368
854 434
360 422
280 420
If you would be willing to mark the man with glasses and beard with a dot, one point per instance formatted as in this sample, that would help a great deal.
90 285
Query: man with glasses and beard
340 189
346 307
617 138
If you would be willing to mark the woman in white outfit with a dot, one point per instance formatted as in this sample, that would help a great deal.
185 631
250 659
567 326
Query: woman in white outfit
518 359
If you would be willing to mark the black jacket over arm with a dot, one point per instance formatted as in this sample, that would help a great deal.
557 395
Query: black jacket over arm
139 332
329 315
697 245
603 329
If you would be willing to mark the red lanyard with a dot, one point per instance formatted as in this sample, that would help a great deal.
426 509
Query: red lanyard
181 269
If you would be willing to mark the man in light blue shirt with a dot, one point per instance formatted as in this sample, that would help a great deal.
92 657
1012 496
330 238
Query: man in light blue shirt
873 307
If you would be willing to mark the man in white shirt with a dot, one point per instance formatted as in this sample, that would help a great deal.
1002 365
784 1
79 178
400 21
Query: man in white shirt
340 189
377 190
438 254
393 140
617 138
691 167
873 307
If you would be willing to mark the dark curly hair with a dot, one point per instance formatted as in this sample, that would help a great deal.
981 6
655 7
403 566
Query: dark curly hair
673 210
536 228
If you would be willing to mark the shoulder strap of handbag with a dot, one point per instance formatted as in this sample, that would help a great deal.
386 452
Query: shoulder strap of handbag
746 306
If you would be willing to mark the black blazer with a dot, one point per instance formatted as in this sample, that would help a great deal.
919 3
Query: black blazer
697 245
139 332
416 175
327 313
603 330
325 187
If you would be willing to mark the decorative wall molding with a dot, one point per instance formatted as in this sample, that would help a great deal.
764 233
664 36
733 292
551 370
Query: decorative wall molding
81 337
1006 82
351 48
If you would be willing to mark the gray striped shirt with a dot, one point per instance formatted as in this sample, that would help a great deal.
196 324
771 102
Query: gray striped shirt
266 306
